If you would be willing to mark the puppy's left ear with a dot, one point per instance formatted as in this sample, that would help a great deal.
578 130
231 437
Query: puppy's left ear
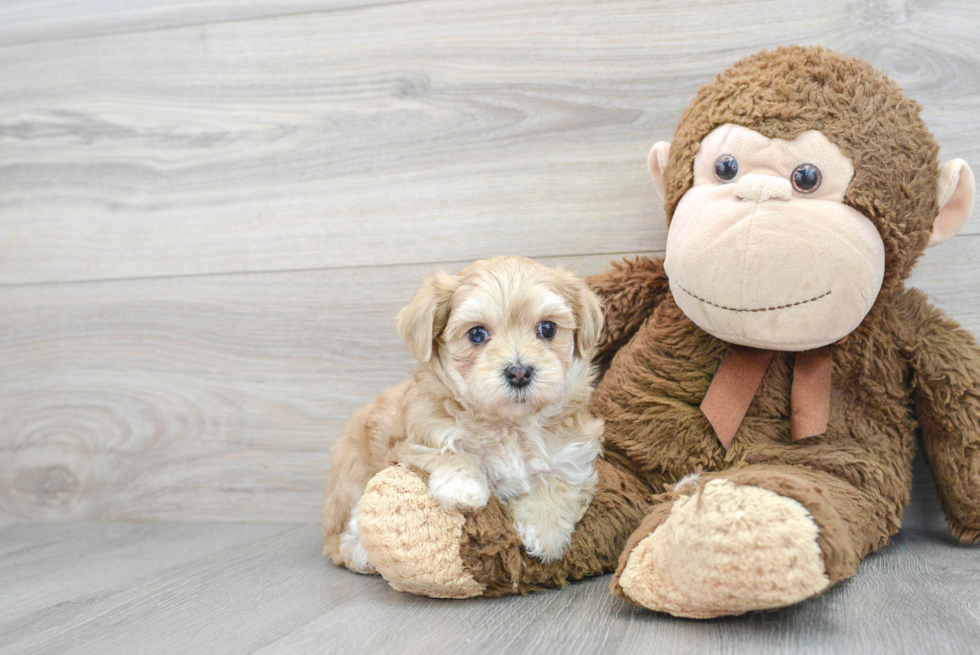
422 321
588 318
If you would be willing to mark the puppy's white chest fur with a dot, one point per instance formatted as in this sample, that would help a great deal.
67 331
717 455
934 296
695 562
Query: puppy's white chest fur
546 477
508 459
516 459
512 464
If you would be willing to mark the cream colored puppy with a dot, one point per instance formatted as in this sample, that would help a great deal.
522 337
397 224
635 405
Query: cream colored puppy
497 405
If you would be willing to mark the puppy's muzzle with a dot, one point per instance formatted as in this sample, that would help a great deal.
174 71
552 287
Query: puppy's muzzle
518 376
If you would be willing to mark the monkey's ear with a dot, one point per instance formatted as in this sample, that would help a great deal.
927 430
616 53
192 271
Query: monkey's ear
956 191
421 322
657 162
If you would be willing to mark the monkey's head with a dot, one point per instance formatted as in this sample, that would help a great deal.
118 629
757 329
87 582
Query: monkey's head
800 186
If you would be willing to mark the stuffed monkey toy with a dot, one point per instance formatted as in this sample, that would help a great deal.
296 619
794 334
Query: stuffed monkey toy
764 383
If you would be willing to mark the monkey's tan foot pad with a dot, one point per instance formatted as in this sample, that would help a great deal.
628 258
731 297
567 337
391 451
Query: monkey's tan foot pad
727 550
412 540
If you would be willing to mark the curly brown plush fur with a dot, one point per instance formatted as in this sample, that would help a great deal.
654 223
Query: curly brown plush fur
906 371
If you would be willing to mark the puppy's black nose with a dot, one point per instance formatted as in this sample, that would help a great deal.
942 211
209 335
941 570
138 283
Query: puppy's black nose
518 376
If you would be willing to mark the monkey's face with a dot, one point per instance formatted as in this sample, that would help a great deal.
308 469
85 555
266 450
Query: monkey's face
763 252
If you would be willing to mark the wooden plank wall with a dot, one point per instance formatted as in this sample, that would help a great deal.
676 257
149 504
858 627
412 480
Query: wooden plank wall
210 213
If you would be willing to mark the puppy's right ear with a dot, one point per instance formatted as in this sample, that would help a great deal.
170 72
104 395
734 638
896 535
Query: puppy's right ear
589 316
421 322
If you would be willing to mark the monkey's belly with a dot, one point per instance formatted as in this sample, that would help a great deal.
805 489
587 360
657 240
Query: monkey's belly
650 400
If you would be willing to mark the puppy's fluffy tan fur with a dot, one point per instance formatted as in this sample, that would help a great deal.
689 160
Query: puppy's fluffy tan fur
461 421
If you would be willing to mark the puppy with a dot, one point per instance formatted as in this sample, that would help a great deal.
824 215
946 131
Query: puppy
497 405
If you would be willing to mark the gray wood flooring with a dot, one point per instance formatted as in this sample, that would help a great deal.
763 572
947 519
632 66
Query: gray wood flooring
78 587
163 587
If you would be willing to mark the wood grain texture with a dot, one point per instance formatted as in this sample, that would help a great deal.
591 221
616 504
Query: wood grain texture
218 397
958 567
39 21
351 138
213 397
114 563
925 532
165 588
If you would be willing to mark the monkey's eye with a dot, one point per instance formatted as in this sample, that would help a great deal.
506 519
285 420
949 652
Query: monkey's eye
806 178
477 335
546 330
726 168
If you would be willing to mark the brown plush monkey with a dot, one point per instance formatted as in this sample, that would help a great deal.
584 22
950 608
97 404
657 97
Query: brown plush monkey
800 187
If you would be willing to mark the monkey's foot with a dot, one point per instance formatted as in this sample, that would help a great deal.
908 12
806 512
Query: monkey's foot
412 540
726 549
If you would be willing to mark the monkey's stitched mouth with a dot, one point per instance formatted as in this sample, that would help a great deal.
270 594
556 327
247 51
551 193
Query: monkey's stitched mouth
756 309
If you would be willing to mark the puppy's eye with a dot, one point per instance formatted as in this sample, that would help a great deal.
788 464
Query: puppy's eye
806 178
477 335
726 168
547 329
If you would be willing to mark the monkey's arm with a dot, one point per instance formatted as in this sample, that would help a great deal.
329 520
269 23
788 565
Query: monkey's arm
629 290
946 367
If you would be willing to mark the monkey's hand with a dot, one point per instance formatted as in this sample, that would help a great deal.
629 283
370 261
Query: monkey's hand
946 363
630 291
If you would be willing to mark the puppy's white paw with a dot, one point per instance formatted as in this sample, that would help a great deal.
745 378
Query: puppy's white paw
459 491
351 548
546 541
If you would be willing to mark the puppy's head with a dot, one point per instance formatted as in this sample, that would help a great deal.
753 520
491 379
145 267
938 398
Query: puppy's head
509 336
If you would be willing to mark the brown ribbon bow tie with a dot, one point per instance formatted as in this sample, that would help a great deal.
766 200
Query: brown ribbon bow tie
739 376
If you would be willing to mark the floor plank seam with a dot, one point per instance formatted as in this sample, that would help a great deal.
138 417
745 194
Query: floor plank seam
315 269
124 32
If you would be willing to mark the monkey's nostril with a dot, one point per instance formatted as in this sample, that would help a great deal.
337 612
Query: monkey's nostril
518 376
